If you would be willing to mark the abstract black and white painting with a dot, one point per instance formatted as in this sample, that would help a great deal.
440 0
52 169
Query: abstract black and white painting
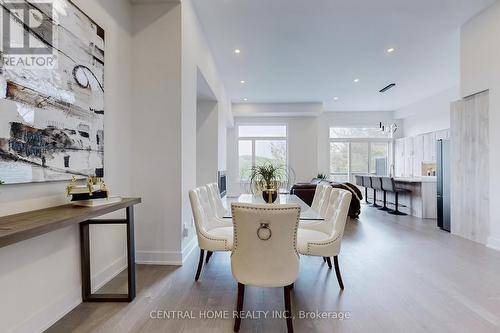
52 119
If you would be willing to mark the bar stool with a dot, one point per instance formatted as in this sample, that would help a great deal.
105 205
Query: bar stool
367 183
376 186
384 208
388 184
358 180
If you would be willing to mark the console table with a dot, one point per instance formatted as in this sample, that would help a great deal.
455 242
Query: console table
23 226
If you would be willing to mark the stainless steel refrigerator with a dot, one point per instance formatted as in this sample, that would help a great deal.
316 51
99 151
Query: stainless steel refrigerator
443 184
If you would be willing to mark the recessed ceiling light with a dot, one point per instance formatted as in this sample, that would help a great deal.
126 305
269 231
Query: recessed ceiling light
356 80
390 50
243 81
237 51
245 99
335 98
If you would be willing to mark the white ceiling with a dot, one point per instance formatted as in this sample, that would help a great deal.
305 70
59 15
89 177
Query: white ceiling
311 51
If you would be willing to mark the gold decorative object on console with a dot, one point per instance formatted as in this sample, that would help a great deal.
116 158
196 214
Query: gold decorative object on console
94 188
71 185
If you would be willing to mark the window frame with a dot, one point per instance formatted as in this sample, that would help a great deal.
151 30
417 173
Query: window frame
254 139
349 141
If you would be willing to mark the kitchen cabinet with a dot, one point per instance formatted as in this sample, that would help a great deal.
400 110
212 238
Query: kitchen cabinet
418 155
429 147
408 156
443 135
399 158
411 152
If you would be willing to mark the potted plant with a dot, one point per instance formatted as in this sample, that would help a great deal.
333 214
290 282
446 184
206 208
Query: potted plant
268 178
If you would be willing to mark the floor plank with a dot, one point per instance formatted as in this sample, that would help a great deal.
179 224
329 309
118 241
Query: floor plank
401 274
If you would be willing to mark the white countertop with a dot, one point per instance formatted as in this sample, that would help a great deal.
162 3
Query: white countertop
423 179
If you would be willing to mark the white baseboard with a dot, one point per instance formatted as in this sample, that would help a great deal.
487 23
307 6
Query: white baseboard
174 258
108 273
188 249
493 243
51 313
158 258
57 309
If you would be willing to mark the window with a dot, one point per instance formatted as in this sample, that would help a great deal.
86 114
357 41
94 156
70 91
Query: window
245 156
258 144
359 157
379 151
357 151
339 160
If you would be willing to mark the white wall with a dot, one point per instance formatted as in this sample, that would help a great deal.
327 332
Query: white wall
428 115
153 52
207 142
308 138
196 56
156 146
302 148
345 119
169 52
278 109
40 277
480 70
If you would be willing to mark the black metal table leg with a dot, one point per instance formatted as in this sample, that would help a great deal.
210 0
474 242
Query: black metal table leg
131 253
87 295
85 260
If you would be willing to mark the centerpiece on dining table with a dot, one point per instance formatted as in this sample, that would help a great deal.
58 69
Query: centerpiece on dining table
268 178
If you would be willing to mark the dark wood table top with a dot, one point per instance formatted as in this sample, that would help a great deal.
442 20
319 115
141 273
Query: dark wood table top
19 227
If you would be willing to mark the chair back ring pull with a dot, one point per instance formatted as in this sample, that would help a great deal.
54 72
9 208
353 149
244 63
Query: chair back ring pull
264 233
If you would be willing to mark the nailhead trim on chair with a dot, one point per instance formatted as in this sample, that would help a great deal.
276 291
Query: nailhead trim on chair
320 244
226 248
338 200
235 243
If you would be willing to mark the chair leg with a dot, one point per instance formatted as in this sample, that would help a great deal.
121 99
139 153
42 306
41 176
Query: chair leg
337 271
385 208
209 255
239 306
329 262
366 195
396 210
324 259
288 308
200 265
374 204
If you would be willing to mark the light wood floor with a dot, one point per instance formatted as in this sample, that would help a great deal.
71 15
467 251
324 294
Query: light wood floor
401 274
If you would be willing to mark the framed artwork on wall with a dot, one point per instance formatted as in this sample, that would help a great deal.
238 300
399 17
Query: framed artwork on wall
51 92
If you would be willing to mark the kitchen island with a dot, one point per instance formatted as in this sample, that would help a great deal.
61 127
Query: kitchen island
422 201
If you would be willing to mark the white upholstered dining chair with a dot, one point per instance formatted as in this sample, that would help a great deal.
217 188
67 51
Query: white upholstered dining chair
323 239
213 233
321 197
318 195
325 199
264 252
214 191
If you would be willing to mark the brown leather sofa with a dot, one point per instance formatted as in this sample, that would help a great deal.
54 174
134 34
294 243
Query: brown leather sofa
306 191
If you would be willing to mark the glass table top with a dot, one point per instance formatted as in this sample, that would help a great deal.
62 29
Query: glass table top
306 212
